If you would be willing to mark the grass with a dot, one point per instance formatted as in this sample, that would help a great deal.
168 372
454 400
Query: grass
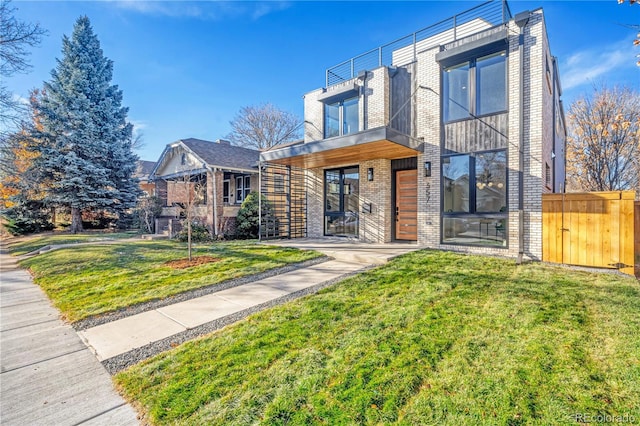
430 338
26 245
90 280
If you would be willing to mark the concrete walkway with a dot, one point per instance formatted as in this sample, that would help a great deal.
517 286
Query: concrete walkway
348 250
128 340
134 332
47 375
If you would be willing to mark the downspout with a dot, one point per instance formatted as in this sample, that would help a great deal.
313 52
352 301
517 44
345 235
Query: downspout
259 200
362 77
554 113
521 20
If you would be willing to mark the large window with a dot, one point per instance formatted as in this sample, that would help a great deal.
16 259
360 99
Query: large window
341 201
474 194
476 87
341 118
456 92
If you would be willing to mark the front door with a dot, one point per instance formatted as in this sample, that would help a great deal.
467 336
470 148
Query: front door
406 212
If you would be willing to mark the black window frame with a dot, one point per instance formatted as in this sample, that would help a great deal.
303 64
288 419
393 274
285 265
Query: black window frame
473 213
340 211
473 98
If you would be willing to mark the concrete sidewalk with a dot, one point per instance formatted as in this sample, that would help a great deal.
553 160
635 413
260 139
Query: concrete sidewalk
128 334
47 375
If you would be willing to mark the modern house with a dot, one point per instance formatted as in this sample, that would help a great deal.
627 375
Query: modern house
447 138
217 174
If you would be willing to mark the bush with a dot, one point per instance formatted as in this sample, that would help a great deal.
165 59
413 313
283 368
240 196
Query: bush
98 219
27 218
199 233
248 216
21 226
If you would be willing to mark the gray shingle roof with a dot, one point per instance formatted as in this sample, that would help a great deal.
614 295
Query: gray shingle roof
144 169
223 155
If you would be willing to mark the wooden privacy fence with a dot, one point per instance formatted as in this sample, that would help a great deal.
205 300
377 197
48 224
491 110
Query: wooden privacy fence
590 229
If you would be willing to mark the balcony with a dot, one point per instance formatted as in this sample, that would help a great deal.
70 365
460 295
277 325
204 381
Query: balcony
404 50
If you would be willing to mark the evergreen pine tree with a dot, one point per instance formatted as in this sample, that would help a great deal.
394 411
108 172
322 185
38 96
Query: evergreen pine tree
87 151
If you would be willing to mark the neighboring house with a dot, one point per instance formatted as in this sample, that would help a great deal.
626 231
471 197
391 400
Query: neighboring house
143 173
447 137
222 175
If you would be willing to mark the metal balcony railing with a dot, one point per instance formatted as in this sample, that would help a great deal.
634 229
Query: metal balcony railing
404 50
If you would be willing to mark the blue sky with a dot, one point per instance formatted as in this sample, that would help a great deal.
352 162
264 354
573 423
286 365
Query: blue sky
186 68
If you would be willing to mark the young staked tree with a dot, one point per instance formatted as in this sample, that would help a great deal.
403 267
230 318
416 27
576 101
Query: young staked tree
263 126
603 147
87 142
191 190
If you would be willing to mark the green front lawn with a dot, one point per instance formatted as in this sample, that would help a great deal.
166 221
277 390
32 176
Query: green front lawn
430 338
89 280
25 245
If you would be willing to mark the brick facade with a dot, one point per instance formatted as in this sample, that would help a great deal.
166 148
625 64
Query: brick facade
426 86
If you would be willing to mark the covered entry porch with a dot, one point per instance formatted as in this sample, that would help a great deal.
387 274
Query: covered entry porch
361 186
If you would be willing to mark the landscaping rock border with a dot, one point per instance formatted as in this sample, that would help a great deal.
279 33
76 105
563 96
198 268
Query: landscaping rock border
125 360
190 294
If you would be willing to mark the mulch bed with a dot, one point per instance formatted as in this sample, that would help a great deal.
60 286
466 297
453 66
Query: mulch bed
195 261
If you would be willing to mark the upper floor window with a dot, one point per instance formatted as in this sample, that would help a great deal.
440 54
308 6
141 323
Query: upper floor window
341 118
476 87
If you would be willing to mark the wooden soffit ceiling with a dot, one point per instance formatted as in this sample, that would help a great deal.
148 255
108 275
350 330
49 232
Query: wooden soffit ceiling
374 144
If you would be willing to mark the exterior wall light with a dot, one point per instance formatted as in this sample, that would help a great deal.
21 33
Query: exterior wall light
427 169
370 174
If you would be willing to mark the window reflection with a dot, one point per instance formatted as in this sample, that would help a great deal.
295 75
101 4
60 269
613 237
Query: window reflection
455 177
456 92
342 191
491 188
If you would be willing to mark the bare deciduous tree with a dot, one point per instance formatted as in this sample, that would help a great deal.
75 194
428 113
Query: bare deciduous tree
603 147
15 39
636 27
149 208
263 126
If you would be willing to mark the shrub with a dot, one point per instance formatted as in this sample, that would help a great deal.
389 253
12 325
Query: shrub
248 216
199 233
27 218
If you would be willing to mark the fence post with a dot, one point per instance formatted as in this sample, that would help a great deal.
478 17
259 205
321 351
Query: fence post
414 47
455 29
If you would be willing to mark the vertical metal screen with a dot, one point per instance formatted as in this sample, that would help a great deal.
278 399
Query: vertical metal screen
284 207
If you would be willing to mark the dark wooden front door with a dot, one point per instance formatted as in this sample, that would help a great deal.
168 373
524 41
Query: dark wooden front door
406 213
